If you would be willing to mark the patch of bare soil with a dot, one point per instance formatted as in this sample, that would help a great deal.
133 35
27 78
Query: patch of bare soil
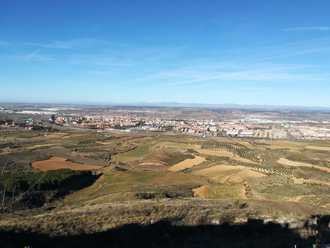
57 163
201 192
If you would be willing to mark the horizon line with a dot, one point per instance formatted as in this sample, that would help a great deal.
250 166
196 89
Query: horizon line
174 104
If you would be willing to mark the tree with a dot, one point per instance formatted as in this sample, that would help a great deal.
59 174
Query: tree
108 159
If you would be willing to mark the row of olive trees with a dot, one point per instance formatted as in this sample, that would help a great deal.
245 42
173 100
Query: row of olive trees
238 149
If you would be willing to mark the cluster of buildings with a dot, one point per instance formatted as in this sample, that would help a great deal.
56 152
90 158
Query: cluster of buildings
95 122
242 128
28 124
261 125
7 123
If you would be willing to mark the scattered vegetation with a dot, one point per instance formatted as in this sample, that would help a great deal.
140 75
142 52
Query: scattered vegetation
241 178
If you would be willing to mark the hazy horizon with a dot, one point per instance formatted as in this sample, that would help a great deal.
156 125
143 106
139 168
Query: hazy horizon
172 105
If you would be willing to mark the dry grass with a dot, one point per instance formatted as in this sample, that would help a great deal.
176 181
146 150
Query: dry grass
224 153
284 144
186 164
221 191
284 161
310 181
229 173
318 148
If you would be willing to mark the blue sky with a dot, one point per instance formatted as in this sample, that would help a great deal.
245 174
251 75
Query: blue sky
133 51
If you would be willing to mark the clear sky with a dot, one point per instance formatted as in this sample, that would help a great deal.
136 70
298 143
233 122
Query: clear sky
273 52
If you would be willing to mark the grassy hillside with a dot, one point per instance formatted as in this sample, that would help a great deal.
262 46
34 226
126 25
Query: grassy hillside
146 178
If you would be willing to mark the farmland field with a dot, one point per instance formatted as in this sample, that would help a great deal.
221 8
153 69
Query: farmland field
150 177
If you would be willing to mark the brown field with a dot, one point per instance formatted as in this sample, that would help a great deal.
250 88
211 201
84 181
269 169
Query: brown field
201 192
57 163
284 161
228 173
186 164
318 148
